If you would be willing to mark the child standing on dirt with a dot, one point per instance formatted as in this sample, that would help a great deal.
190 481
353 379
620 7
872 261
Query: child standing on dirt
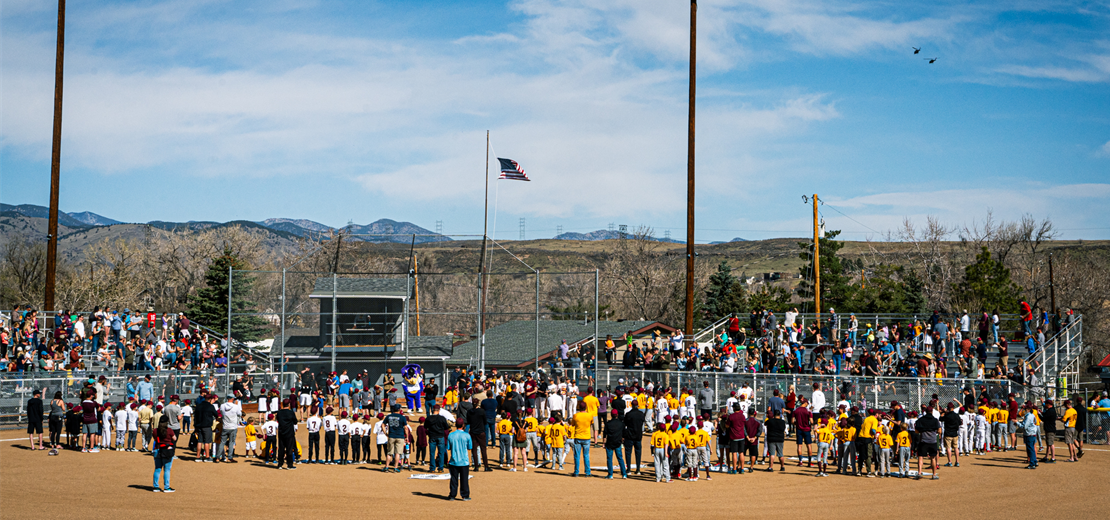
270 429
329 436
251 433
343 427
313 425
356 439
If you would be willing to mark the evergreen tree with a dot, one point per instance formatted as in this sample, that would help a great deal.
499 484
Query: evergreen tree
208 306
889 289
724 296
987 285
775 299
836 289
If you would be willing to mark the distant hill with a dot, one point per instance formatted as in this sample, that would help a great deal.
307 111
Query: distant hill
737 239
287 228
604 234
33 211
93 219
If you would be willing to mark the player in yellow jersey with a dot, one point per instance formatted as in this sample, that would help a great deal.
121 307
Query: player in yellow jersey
825 436
504 430
1001 419
704 438
847 437
660 448
556 440
1069 419
886 443
903 440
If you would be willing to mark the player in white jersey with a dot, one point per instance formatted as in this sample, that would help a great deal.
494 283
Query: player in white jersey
329 436
662 409
313 425
343 429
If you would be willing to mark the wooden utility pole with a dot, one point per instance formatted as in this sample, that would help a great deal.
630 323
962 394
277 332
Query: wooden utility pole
816 264
55 164
690 175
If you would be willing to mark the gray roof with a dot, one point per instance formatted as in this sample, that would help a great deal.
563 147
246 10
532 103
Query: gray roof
428 346
361 287
514 342
307 342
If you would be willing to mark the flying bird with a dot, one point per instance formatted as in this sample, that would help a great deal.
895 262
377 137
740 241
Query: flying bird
931 60
916 50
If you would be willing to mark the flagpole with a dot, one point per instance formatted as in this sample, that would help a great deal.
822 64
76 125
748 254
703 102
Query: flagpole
481 273
690 176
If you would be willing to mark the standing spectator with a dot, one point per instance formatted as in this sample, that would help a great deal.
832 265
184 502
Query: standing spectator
927 427
89 423
776 437
173 412
459 444
205 416
287 436
1029 422
398 426
57 415
706 399
817 402
145 390
231 411
436 426
580 425
614 440
633 437
476 423
803 419
952 423
164 449
34 419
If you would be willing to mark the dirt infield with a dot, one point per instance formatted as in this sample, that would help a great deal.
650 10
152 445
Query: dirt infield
118 485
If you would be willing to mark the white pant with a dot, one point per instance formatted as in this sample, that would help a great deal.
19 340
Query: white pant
662 465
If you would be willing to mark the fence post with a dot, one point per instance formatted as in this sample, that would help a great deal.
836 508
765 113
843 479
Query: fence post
716 389
334 298
876 391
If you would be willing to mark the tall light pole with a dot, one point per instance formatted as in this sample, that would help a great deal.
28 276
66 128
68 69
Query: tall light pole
690 175
55 163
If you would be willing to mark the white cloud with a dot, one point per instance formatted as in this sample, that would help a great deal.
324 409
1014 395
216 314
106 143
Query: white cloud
1104 150
1070 206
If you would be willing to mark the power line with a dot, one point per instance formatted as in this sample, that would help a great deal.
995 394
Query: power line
822 202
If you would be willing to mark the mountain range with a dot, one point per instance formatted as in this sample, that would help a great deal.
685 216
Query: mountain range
297 227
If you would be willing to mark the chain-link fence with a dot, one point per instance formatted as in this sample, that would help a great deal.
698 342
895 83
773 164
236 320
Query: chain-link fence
16 389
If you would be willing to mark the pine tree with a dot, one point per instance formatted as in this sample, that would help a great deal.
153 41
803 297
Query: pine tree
208 306
836 289
987 285
724 296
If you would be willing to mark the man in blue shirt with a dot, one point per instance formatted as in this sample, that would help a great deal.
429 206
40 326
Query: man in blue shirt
397 426
459 446
146 389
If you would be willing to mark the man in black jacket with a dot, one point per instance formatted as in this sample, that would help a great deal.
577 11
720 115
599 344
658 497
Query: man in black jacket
614 439
431 392
436 427
633 436
205 415
287 435
1048 424
476 423
34 419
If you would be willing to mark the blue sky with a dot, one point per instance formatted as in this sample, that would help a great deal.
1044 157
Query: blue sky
337 111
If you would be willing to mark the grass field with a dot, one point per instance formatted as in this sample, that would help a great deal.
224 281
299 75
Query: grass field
118 485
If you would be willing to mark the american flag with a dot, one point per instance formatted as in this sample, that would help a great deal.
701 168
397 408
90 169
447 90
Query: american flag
512 171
